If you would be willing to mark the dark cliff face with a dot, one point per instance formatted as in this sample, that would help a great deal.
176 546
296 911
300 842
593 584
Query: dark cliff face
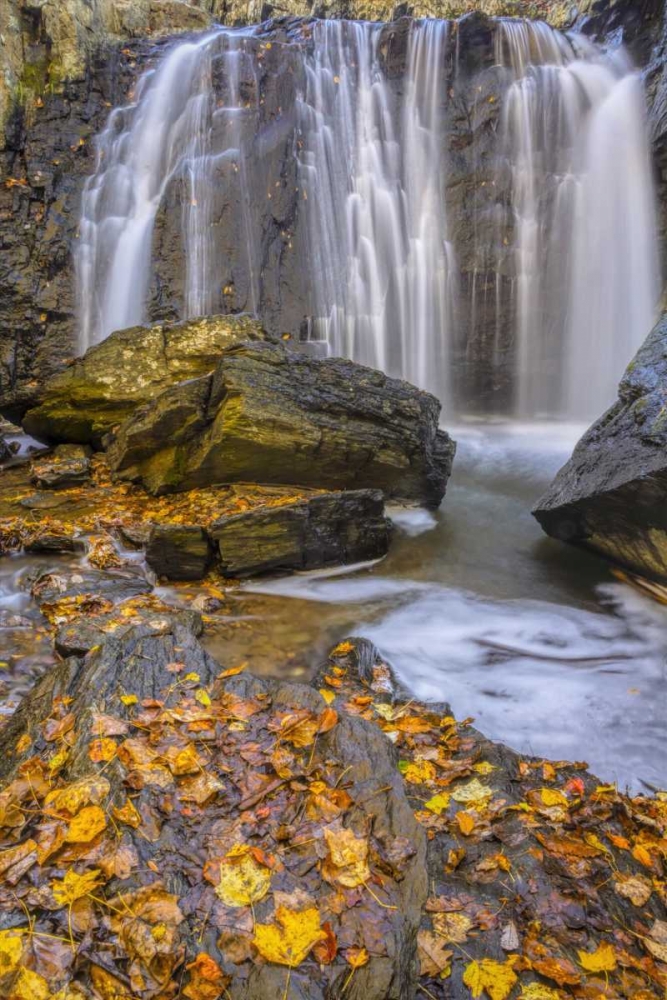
49 153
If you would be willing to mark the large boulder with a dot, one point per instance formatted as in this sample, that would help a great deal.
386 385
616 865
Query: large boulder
612 494
272 415
127 370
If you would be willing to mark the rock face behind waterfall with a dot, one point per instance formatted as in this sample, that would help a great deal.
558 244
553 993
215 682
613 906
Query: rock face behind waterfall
612 494
268 414
126 370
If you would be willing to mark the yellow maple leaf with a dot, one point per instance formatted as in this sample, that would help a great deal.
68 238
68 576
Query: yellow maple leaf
603 959
342 649
453 927
290 939
72 797
11 949
102 750
203 697
72 887
243 880
496 979
86 825
328 695
129 699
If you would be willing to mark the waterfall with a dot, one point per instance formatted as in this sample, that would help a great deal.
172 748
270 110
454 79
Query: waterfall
378 232
372 172
585 261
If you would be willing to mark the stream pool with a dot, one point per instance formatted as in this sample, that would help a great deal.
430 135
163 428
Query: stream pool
473 606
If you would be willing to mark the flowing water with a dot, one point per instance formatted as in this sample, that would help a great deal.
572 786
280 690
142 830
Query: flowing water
382 268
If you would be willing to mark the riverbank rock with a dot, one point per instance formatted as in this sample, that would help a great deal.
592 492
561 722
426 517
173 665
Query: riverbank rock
272 415
612 494
335 529
128 369
202 826
253 833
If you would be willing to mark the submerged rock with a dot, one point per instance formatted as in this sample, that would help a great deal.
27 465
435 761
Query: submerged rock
326 530
272 415
612 494
128 369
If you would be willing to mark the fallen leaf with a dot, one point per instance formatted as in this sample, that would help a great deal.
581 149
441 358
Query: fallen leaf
347 863
493 978
438 803
29 985
636 888
434 956
473 791
656 942
535 991
357 957
290 939
466 823
453 927
73 886
420 772
243 880
86 825
207 980
11 949
603 959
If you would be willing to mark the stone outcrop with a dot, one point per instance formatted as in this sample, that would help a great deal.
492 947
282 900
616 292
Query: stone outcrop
130 367
612 495
69 465
271 415
179 552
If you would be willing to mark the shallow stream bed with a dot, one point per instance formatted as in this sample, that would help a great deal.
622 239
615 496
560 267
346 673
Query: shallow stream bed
473 606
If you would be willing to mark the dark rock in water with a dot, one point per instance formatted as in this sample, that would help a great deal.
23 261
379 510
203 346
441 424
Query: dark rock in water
612 494
332 529
68 466
55 542
108 587
272 415
128 369
179 552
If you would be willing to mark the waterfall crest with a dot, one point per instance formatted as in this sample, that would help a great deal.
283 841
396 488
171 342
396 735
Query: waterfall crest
378 254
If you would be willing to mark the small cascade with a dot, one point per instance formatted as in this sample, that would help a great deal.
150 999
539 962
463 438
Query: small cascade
585 262
372 170
173 130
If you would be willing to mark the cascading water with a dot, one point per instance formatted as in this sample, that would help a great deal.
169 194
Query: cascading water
372 170
586 275
172 130
379 258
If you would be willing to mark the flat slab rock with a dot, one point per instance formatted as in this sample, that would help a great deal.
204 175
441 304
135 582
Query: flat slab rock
329 529
130 367
612 495
272 415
